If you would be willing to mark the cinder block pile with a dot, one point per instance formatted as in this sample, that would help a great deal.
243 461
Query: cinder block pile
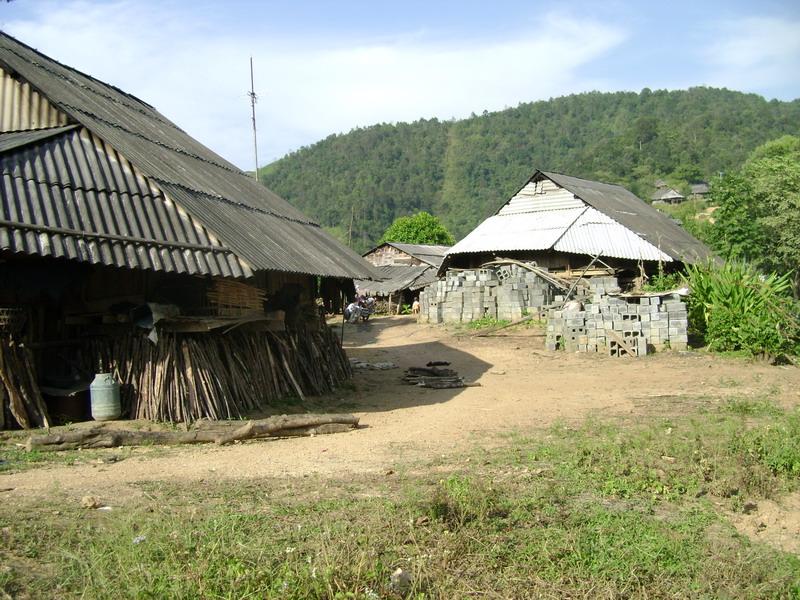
619 325
506 292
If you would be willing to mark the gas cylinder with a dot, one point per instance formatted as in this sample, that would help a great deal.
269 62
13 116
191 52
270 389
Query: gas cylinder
104 396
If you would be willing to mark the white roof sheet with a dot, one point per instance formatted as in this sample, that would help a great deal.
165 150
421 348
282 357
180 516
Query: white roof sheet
525 231
576 230
595 233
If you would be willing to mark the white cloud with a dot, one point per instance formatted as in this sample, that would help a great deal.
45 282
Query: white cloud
199 76
755 53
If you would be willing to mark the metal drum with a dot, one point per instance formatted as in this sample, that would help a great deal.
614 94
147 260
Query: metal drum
104 394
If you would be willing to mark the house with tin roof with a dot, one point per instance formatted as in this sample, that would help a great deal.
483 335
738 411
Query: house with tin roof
562 223
127 245
407 268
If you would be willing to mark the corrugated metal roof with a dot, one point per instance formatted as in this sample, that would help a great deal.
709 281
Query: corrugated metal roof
594 233
638 216
396 278
433 255
522 231
610 221
69 195
18 139
538 196
256 224
24 108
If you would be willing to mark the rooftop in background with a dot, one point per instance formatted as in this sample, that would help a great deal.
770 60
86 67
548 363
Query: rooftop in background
398 278
577 216
667 194
142 167
424 253
698 189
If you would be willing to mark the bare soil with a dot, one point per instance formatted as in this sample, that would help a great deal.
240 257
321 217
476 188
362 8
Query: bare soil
522 387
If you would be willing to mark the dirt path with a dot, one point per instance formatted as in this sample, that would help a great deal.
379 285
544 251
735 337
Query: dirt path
521 387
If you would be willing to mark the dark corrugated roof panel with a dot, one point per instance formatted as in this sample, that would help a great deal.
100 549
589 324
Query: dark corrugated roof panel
262 228
396 278
638 216
17 139
71 196
433 255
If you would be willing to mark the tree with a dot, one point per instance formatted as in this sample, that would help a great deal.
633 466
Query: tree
759 209
421 228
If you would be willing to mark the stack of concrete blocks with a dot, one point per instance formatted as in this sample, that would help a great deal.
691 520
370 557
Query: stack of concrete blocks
506 293
642 323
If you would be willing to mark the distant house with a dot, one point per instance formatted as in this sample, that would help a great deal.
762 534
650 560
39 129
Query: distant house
699 191
560 222
667 195
396 254
406 268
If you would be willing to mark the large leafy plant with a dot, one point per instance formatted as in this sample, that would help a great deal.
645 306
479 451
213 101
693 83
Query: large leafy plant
735 307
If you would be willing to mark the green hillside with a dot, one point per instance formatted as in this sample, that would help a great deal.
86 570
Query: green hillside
461 171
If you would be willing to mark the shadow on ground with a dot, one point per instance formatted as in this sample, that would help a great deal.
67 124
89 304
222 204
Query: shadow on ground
383 390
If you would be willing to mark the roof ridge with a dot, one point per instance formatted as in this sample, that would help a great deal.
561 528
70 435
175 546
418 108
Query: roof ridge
73 69
225 200
66 128
595 181
147 139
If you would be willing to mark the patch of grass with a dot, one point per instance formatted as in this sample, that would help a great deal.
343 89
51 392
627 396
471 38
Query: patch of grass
606 509
752 407
486 322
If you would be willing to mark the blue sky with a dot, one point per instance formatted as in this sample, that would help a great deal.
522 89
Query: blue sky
327 67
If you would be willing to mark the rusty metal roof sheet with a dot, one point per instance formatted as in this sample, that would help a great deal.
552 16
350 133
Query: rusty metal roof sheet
257 225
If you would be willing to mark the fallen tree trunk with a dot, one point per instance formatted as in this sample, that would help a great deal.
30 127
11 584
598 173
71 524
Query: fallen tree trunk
280 426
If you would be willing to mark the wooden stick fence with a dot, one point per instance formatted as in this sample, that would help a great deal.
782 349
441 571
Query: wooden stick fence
186 377
20 398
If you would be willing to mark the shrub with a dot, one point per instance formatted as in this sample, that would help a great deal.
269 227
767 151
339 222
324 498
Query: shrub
734 307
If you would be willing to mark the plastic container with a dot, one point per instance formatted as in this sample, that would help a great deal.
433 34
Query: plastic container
104 398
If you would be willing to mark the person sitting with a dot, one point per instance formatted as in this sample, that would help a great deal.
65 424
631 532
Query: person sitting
352 312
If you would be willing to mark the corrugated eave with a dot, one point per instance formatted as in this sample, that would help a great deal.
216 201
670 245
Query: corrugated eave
279 238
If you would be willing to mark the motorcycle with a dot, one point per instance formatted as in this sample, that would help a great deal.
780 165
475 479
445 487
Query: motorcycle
367 308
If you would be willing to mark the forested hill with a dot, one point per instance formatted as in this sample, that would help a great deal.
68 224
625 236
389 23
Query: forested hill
461 171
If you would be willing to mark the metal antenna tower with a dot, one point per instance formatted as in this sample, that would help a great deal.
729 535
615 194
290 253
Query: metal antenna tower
253 100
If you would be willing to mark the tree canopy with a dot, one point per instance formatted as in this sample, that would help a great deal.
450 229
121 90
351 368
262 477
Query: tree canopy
462 171
758 218
421 228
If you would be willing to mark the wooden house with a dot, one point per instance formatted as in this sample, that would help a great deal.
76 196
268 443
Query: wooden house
406 269
128 246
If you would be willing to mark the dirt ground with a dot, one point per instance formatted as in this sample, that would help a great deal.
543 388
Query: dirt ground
522 387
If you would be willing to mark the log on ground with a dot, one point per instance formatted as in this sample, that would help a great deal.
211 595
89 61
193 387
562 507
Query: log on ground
280 426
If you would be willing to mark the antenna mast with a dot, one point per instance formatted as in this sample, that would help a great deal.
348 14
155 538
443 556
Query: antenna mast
253 100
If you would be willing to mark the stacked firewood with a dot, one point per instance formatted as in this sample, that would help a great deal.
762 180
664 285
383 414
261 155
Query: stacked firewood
186 377
20 398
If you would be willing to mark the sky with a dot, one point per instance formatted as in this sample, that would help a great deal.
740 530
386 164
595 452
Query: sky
322 68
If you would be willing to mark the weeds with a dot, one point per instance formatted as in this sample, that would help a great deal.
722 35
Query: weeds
603 510
487 322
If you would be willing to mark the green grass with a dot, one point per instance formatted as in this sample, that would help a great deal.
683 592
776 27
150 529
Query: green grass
486 322
607 509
